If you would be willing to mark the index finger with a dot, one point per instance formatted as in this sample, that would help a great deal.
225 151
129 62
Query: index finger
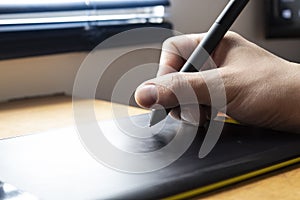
175 51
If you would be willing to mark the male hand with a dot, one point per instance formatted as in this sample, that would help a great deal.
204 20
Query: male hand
261 88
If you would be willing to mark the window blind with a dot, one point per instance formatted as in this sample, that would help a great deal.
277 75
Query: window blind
54 26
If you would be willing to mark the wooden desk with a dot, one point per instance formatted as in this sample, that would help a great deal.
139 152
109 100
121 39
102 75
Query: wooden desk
40 114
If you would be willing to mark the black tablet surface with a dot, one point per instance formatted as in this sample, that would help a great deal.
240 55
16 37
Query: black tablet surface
55 165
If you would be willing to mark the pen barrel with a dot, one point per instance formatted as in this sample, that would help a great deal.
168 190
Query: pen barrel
231 12
205 48
214 36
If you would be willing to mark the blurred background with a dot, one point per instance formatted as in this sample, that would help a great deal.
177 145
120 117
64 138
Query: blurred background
26 72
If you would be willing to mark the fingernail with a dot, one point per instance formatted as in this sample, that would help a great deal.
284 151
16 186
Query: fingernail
147 95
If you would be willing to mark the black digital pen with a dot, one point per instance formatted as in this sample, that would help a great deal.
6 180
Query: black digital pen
207 46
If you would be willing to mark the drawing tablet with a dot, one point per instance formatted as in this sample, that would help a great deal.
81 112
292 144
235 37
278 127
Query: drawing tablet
55 165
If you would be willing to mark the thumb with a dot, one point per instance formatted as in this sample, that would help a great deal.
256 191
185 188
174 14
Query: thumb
176 89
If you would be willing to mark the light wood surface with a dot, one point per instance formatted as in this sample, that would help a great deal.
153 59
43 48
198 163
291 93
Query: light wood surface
35 115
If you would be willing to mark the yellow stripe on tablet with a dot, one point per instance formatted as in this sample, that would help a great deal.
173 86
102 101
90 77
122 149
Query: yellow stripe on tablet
230 181
224 118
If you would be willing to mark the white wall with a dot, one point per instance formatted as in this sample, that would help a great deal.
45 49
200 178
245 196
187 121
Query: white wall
192 16
54 74
38 75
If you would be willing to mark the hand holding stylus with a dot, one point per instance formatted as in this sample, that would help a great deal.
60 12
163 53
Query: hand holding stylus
261 88
206 46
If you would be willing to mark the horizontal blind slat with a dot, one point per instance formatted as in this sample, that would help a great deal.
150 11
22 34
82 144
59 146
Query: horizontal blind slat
46 6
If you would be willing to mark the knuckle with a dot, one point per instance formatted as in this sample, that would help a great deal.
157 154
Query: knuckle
232 39
170 41
174 85
180 81
233 35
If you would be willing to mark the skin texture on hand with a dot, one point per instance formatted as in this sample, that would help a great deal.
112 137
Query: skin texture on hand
261 88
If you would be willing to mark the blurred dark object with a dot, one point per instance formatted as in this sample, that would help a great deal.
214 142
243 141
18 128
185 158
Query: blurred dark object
282 18
47 27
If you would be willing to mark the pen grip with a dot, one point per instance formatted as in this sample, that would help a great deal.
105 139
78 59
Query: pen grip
205 48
